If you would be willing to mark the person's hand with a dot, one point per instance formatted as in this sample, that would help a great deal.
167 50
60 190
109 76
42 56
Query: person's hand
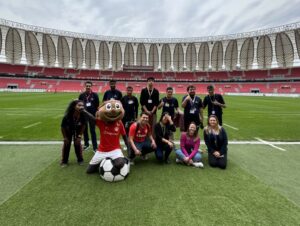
66 141
171 145
188 98
216 154
215 102
190 162
186 160
153 144
137 152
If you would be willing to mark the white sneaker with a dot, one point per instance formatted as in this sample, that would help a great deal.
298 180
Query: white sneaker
198 164
178 160
144 157
132 162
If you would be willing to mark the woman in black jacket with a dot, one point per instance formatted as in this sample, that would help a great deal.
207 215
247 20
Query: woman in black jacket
72 127
162 137
216 141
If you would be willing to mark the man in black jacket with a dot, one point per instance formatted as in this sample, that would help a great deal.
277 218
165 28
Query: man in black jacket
149 101
91 104
113 93
215 103
131 106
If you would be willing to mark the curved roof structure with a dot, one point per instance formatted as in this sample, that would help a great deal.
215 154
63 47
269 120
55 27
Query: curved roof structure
276 47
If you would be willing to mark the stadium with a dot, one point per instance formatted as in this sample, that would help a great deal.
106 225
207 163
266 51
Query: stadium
258 72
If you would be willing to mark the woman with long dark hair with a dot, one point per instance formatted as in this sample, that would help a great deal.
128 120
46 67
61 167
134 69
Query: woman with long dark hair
189 147
216 141
72 127
163 131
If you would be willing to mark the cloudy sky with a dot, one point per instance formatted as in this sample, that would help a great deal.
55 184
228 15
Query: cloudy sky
154 18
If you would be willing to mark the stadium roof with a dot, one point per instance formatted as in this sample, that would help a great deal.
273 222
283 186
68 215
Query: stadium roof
282 28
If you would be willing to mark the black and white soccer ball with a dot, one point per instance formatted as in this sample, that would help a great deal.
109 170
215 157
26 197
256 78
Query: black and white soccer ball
114 169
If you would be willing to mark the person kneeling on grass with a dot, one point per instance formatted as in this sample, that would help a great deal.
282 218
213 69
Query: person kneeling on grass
72 127
141 141
162 131
108 119
216 141
189 145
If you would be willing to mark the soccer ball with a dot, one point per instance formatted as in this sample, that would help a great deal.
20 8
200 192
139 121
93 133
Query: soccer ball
114 169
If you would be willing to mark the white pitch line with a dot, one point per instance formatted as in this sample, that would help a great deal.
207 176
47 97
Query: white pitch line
231 126
270 144
34 124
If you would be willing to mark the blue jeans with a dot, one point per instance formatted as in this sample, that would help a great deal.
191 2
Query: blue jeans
180 155
159 152
144 147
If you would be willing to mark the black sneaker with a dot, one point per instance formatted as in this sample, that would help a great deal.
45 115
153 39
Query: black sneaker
86 147
167 161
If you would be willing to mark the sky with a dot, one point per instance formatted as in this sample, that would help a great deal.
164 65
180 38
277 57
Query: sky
154 18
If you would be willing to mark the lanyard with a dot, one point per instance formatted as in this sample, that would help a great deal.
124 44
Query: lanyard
88 96
150 93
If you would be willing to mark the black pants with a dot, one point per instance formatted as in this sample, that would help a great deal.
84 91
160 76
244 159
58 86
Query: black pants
159 152
91 124
217 162
66 149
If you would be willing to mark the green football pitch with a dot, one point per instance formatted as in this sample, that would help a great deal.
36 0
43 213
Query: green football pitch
259 187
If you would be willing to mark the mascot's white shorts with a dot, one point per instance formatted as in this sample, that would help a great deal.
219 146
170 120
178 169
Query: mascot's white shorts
99 156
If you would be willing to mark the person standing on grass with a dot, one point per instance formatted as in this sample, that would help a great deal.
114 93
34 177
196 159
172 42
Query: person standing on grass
91 104
149 101
72 127
113 93
215 103
164 144
131 106
216 141
140 138
189 147
193 111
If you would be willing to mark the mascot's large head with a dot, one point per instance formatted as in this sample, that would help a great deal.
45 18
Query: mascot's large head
110 111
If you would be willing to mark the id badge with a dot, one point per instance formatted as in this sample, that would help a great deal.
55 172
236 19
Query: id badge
213 112
88 104
130 102
149 101
192 111
167 105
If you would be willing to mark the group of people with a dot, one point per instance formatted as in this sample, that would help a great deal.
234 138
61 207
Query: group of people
118 115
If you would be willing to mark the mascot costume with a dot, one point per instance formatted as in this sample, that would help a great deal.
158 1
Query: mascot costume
109 121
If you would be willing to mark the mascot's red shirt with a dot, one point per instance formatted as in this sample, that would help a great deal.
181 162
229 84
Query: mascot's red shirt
110 135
